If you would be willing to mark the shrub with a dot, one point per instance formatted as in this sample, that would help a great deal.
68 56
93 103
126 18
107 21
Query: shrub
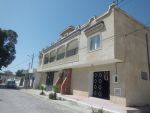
55 89
42 87
42 93
52 96
98 111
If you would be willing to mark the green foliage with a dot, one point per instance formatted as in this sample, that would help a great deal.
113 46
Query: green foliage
8 39
98 111
55 89
19 73
42 87
8 73
21 81
52 96
42 93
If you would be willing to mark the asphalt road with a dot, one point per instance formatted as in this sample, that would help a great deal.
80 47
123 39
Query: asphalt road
16 101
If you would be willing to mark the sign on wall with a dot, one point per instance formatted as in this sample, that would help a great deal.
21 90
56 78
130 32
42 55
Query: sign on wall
144 76
117 91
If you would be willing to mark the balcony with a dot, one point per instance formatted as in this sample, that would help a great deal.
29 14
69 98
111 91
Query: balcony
64 54
74 58
52 59
60 56
72 52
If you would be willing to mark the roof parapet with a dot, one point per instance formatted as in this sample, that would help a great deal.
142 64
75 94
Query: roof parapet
113 5
68 30
71 29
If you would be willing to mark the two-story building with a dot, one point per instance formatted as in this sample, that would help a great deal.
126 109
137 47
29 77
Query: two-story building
105 58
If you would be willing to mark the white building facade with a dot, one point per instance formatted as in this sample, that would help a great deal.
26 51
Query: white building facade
104 58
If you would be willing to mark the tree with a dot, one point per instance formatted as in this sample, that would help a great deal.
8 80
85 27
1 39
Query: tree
8 73
19 73
8 39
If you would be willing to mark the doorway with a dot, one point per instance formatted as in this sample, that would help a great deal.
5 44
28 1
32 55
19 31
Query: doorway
49 80
101 84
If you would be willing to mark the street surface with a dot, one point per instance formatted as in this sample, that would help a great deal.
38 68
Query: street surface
16 101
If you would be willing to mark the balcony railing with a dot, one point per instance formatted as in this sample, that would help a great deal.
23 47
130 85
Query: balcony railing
46 60
60 56
52 59
72 52
65 60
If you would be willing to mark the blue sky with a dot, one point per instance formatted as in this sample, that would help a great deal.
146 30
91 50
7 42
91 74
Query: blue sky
39 22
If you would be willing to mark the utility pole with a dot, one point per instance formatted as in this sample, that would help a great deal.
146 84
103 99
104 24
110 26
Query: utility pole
28 76
146 36
117 2
29 67
32 60
31 76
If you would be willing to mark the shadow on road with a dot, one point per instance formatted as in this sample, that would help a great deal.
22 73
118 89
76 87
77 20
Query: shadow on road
4 87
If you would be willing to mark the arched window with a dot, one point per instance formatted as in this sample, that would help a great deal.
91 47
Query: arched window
61 52
72 48
52 56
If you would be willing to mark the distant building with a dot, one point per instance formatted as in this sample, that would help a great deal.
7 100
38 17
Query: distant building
104 58
29 78
6 76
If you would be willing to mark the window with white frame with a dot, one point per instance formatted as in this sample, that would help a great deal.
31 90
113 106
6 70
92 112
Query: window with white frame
95 42
52 56
61 52
72 48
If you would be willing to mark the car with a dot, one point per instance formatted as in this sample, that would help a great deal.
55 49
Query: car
11 84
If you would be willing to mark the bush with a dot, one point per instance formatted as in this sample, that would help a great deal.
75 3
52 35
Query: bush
52 96
55 89
42 93
42 87
98 111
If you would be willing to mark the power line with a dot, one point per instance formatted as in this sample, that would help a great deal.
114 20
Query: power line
124 3
117 2
21 63
121 35
110 37
120 2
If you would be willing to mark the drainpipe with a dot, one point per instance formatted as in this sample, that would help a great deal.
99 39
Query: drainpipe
146 36
116 68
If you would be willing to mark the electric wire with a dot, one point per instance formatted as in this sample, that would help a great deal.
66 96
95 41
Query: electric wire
110 37
125 2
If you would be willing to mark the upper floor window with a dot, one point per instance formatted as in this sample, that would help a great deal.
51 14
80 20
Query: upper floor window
46 57
95 42
52 56
72 48
61 52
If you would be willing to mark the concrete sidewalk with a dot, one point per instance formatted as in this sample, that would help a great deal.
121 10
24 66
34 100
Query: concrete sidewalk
67 104
91 102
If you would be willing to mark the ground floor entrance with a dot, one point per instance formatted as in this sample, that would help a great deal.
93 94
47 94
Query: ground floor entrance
49 80
101 84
